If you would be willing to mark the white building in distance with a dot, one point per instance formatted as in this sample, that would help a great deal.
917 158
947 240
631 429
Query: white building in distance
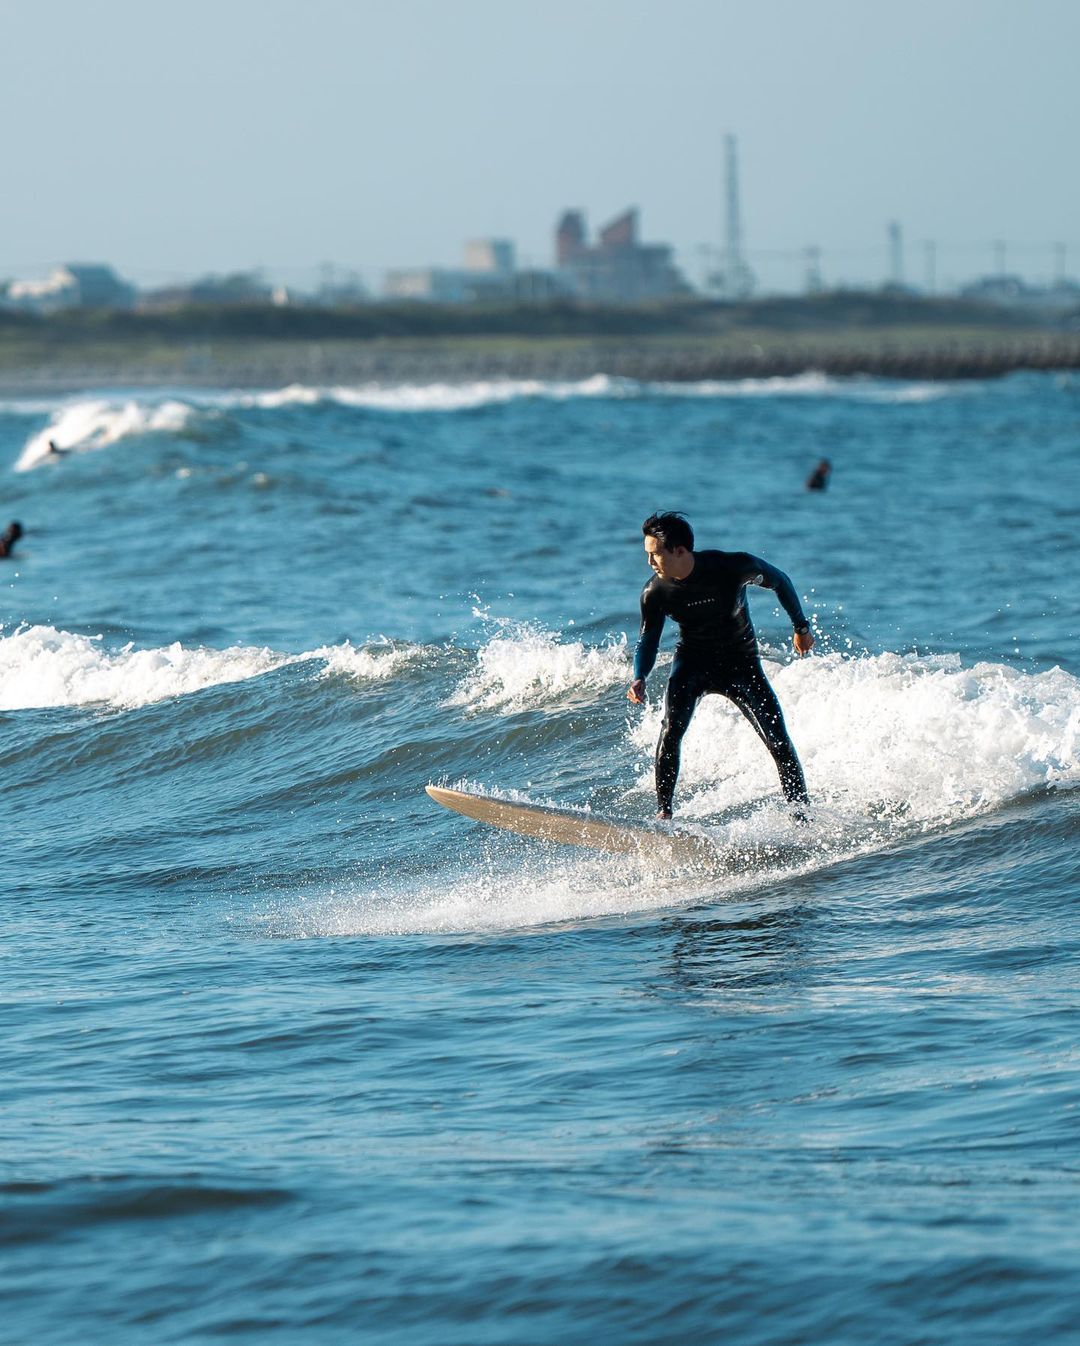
76 285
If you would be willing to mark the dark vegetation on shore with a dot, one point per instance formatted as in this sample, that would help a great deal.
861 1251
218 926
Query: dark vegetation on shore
567 318
898 335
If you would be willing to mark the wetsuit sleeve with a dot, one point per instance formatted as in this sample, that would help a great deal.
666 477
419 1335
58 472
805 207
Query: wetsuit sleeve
767 576
652 623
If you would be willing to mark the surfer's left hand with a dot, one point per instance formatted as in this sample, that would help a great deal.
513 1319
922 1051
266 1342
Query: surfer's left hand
803 642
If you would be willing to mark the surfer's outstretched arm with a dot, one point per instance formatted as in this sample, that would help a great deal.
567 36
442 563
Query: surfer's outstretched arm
768 576
652 624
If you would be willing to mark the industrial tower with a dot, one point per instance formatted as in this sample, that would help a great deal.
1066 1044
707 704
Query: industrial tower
736 280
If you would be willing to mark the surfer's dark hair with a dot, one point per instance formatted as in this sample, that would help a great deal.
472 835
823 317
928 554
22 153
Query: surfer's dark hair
671 530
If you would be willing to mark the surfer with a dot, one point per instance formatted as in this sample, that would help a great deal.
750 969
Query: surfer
9 537
819 478
704 592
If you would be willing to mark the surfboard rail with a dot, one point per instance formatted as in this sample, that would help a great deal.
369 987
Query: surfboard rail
572 829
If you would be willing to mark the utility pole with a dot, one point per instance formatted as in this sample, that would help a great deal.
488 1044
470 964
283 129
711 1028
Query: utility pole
930 250
814 283
710 276
999 257
896 255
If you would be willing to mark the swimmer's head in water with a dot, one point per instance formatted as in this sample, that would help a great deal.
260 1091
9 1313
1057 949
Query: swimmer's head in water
13 531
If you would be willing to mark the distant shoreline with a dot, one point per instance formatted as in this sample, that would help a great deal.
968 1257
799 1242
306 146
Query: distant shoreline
252 364
900 337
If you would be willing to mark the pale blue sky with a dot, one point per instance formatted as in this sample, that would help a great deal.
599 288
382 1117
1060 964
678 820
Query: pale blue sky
171 139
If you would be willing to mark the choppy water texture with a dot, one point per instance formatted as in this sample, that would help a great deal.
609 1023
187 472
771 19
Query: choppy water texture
292 1055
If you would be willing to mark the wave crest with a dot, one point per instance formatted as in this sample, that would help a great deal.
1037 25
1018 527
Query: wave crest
80 426
524 667
41 666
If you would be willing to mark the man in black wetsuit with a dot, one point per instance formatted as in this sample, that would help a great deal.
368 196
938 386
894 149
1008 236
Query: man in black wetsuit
9 537
705 593
819 478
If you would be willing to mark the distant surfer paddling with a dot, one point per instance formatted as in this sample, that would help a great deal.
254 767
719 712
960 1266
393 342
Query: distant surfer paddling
9 537
704 592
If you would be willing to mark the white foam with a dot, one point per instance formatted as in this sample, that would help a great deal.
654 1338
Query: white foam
414 397
924 734
81 426
428 397
41 666
911 392
812 383
509 885
525 668
366 663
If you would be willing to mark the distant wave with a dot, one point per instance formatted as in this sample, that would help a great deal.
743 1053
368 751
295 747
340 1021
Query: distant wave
41 666
432 396
810 384
488 392
80 426
86 424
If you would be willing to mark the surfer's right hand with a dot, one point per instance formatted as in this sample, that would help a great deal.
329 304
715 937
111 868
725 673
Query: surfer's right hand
636 692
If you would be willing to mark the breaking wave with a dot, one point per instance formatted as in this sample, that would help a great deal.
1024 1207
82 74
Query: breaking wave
523 667
895 746
41 666
81 426
919 735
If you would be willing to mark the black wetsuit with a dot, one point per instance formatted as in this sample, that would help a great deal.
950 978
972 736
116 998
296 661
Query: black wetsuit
717 652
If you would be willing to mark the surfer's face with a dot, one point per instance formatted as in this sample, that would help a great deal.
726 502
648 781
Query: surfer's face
667 564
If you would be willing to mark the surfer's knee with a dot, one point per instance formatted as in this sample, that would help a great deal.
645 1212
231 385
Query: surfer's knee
671 733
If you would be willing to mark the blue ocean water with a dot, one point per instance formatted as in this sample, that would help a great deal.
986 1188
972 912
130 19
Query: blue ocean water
291 1055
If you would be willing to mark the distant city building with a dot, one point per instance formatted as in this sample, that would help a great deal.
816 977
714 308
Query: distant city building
75 285
1013 292
570 238
240 287
490 254
618 269
435 285
340 290
490 275
530 286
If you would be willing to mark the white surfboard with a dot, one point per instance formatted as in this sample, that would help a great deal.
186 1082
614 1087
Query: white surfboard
575 829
